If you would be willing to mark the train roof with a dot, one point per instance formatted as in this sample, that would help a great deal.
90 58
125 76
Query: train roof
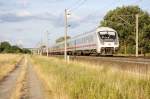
94 30
105 29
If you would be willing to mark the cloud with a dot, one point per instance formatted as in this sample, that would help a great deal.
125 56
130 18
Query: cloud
55 20
24 2
24 13
10 17
19 29
20 16
92 18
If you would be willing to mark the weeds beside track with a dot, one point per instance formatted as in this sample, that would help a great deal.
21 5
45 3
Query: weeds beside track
78 80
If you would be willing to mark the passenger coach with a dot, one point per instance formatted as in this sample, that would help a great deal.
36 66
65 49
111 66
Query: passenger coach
103 40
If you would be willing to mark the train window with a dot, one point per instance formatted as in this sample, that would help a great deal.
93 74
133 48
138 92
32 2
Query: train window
111 33
90 38
84 40
80 41
71 43
107 35
77 41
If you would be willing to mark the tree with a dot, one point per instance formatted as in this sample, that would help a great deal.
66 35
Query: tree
5 47
145 43
26 51
122 19
61 39
15 49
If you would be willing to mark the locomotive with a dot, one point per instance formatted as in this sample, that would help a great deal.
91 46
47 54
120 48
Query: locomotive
101 41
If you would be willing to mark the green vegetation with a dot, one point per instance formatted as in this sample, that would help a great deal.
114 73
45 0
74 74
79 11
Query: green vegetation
61 39
122 19
77 80
5 47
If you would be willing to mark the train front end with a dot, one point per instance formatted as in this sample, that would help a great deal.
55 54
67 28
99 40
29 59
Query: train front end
108 41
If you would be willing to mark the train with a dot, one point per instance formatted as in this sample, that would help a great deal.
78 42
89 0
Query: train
101 41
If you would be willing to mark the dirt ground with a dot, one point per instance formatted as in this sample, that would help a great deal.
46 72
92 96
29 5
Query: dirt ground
33 85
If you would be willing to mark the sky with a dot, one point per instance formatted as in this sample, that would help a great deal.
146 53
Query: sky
26 22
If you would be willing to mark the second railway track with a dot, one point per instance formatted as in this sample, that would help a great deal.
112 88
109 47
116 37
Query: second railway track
115 59
130 64
136 65
140 60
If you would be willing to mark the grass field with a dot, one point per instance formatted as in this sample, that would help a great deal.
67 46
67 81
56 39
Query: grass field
77 80
7 63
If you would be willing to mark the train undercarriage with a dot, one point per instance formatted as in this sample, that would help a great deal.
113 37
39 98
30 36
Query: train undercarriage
103 52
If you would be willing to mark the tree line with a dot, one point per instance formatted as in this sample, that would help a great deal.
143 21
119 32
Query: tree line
62 39
122 19
6 47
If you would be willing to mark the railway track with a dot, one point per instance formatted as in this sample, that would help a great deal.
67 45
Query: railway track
117 59
130 64
134 65
139 60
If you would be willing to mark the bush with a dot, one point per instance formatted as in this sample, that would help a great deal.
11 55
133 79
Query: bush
6 47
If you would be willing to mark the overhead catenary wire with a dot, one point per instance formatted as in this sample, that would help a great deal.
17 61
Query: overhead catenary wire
77 7
75 4
79 3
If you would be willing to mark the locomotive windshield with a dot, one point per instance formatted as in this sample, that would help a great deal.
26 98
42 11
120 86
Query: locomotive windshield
107 35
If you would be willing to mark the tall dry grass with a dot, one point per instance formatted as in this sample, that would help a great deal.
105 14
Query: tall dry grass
76 80
7 63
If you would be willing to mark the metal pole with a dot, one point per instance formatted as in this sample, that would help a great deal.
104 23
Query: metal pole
47 43
38 51
66 26
137 26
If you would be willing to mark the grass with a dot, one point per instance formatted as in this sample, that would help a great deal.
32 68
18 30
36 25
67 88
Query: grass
77 80
7 64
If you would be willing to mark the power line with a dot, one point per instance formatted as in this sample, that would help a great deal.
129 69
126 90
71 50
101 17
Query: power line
120 16
75 4
94 12
83 2
78 5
